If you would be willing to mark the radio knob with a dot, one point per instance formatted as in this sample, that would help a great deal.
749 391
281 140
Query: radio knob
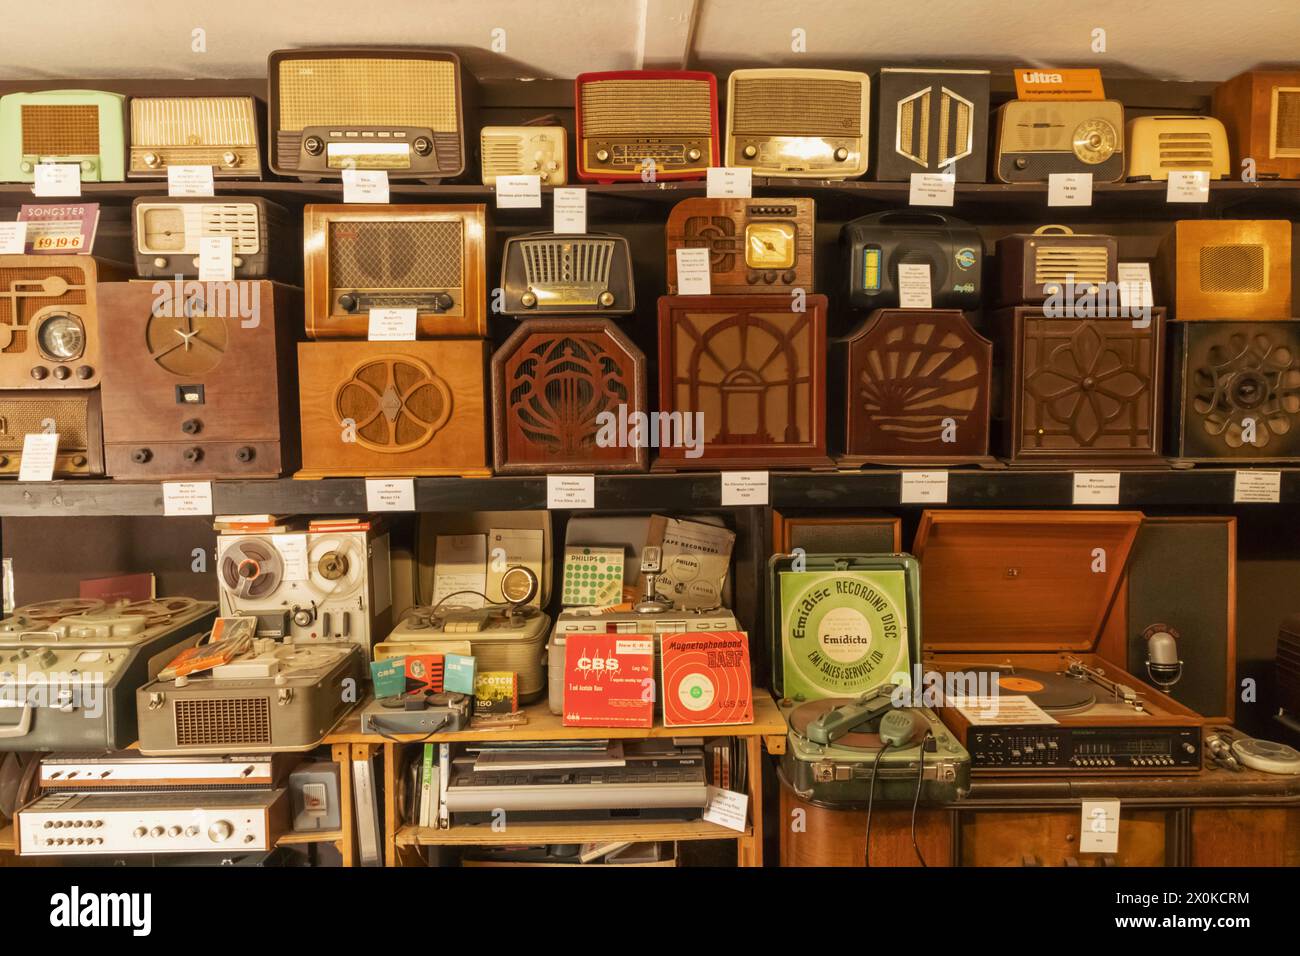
769 277
152 160
156 832
173 831
87 165
28 167
1021 162
313 145
49 841
61 372
607 298
192 455
191 426
602 155
422 146
841 154
693 155
528 300
788 276
40 373
750 151
48 824
348 303
1189 748
442 302
191 830
4 461
228 158
219 831
138 832
141 455
752 278
245 454
195 262
237 261
84 372
159 262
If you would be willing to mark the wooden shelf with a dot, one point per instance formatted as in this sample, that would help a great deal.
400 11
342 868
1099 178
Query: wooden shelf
482 834
543 725
294 838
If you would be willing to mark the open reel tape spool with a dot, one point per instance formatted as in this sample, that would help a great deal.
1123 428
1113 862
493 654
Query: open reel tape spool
51 612
1266 756
251 568
336 567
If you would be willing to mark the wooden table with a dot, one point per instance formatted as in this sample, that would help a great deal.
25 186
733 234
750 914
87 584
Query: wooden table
402 839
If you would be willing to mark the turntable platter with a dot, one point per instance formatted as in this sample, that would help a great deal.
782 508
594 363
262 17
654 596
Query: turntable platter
1054 693
805 714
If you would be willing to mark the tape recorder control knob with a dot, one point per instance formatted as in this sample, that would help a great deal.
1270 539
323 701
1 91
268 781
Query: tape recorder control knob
220 831
152 160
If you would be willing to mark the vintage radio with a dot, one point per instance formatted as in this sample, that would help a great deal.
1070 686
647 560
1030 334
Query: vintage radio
1261 111
77 421
1084 390
931 121
1236 391
503 637
841 625
1013 604
748 376
263 236
756 246
49 320
835 533
84 127
1038 137
322 586
917 384
1157 144
68 681
658 620
545 272
429 258
393 408
878 244
1031 266
398 109
276 697
558 384
1228 269
216 131
540 151
1174 621
646 125
199 379
784 122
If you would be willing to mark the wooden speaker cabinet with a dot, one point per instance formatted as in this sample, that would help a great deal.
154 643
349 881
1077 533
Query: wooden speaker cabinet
76 416
1228 269
747 376
1080 391
376 409
916 384
1236 391
430 258
836 533
558 385
199 381
1261 112
1025 837
49 320
833 837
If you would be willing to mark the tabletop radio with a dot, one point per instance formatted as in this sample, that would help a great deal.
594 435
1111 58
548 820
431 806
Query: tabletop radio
540 151
545 272
1261 112
215 131
167 234
632 122
1228 269
79 127
1158 144
882 242
814 123
1036 138
756 246
77 421
1032 265
931 121
430 258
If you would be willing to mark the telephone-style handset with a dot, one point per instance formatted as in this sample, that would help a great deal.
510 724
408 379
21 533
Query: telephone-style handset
898 727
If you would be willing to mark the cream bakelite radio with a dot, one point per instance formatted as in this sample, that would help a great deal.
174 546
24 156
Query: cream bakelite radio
540 151
318 586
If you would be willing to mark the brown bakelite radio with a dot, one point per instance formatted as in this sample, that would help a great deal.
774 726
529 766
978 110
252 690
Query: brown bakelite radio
756 246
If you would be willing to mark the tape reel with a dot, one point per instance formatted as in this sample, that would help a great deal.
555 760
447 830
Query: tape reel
336 566
50 612
251 568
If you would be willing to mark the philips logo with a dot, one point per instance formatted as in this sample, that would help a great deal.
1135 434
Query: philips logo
1036 77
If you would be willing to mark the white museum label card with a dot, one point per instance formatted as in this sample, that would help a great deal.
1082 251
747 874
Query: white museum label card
693 276
744 488
931 189
13 237
293 555
57 179
570 210
216 259
727 808
1099 831
1188 185
914 285
730 182
390 494
1257 487
391 325
40 449
190 181
519 192
187 498
1069 189
570 491
365 185
924 487
1096 487
1135 286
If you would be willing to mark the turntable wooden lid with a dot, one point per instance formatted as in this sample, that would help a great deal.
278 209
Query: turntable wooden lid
1019 581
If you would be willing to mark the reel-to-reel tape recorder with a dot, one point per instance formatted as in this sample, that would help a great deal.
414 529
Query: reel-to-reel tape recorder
322 586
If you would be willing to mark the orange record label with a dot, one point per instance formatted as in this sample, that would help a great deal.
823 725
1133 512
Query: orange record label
1021 685
1038 84
706 679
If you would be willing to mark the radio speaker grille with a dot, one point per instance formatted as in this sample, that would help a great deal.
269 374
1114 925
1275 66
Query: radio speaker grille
57 130
396 255
1086 264
780 107
215 721
21 416
362 91
502 155
646 108
1185 150
588 260
1233 268
237 220
1286 125
21 298
192 121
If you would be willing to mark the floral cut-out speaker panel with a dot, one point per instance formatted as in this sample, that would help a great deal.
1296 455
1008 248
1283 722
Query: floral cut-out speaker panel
1237 391
917 385
568 394
393 408
1081 390
743 379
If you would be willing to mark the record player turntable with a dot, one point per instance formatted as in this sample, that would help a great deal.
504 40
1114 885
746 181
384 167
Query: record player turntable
1014 604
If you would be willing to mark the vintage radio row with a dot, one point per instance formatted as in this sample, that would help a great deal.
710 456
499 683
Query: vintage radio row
408 111
204 380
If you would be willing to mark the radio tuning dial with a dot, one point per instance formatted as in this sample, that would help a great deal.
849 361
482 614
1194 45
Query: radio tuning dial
220 831
152 160
348 303
313 145
693 155
751 151
602 155
422 146
442 302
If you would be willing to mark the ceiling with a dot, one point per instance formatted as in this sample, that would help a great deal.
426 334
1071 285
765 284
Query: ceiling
1190 40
